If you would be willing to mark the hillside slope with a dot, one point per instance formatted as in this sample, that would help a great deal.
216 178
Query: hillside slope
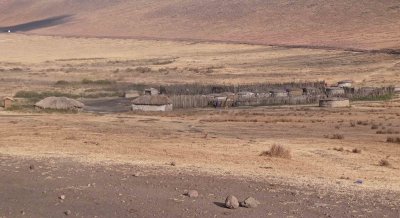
367 24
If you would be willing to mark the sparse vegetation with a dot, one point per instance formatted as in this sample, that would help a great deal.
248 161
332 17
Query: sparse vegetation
278 151
335 136
384 163
393 140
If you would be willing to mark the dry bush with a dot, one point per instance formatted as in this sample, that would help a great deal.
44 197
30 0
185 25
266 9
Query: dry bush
356 151
352 124
388 131
278 151
384 163
335 136
362 123
374 126
341 149
393 140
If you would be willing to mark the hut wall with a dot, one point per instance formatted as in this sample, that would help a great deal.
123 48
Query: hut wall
7 103
168 107
334 103
296 93
345 85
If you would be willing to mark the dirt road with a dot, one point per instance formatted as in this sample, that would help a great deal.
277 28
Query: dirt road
62 187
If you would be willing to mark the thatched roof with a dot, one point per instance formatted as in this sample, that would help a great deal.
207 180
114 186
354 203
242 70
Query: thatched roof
152 100
59 103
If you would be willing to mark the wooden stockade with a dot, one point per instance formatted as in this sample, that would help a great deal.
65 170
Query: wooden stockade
270 101
190 101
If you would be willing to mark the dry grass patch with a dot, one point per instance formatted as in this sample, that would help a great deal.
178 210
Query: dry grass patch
384 163
278 151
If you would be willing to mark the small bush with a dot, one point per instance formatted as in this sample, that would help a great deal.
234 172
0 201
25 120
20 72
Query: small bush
278 151
374 126
384 163
337 136
356 151
393 140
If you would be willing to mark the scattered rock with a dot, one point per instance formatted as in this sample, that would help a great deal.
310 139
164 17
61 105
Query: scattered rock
250 203
192 194
136 174
231 202
32 167
68 212
359 181
62 197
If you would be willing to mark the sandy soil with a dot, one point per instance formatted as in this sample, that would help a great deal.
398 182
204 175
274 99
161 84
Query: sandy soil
54 187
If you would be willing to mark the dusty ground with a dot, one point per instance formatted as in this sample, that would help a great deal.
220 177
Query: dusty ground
224 141
32 188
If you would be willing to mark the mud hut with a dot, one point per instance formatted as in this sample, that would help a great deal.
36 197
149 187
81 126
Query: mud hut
246 94
334 91
334 102
59 103
294 92
8 102
152 103
345 83
279 93
151 91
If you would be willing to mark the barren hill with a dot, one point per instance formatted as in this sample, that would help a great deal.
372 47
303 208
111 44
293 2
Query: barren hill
367 24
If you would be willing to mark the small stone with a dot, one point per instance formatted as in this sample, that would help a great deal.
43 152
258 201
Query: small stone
62 197
136 174
231 202
192 194
173 163
250 203
68 212
22 212
32 167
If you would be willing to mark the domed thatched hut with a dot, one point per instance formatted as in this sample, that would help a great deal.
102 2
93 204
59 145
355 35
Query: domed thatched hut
334 102
59 103
152 103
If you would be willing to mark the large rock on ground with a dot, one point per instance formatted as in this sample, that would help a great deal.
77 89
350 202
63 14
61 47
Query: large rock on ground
231 202
250 203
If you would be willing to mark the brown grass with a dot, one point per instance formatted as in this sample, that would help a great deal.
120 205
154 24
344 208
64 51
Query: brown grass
278 151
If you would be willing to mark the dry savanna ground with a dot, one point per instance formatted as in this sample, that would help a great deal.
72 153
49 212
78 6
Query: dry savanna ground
225 141
38 62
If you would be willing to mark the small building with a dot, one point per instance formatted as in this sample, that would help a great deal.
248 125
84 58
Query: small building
279 93
334 102
152 103
345 83
246 94
293 92
397 89
59 103
151 91
335 91
8 102
132 94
